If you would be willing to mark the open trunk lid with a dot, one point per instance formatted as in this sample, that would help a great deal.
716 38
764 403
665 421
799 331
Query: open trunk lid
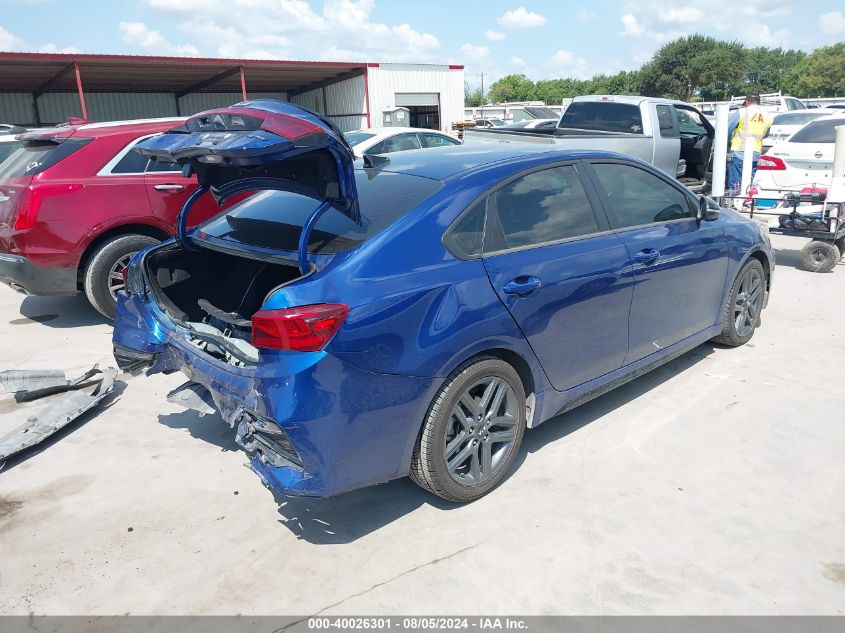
260 145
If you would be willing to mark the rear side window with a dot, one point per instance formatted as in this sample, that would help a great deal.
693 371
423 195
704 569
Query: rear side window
274 219
162 166
544 206
603 115
33 157
818 131
438 140
636 197
131 163
468 234
401 143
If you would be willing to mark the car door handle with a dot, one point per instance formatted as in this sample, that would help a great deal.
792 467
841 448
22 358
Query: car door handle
168 187
647 256
522 286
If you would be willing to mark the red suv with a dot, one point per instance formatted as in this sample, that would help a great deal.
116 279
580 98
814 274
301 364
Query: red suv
76 202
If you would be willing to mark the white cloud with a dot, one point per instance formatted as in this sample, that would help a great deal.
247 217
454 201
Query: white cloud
52 48
832 23
10 41
521 18
494 36
681 15
586 15
517 61
568 63
139 34
631 26
292 29
762 35
475 53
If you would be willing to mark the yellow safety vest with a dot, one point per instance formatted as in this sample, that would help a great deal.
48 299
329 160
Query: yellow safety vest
753 124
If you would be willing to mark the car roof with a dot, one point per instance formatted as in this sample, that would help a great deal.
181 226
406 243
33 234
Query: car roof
440 163
107 128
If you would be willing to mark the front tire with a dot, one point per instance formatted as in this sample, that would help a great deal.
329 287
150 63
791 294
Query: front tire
102 275
473 431
741 315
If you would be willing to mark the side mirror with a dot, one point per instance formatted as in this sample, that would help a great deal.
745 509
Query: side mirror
707 212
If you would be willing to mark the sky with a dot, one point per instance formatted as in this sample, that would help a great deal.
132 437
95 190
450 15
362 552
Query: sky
542 39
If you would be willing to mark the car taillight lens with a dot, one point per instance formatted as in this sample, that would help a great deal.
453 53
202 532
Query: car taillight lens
770 163
299 329
31 199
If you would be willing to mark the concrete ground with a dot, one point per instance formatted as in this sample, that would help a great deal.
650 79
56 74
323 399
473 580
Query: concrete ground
714 485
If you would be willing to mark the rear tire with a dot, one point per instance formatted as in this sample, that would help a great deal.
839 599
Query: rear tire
840 244
473 431
102 279
741 314
818 256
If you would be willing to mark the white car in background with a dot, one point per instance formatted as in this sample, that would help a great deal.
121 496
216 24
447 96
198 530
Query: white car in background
786 124
805 160
8 142
395 139
530 124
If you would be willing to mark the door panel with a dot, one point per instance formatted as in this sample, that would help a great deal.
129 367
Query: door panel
167 192
562 275
576 320
679 265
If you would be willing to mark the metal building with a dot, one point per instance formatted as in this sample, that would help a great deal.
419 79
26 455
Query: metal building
39 89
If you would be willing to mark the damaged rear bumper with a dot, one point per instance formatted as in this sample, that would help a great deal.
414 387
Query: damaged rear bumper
312 424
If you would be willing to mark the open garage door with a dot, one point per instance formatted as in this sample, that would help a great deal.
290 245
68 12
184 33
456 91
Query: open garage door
424 107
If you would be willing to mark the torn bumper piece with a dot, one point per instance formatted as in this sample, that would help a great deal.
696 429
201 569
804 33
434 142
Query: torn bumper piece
259 436
59 413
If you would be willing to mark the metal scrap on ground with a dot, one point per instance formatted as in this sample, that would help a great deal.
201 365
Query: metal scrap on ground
28 385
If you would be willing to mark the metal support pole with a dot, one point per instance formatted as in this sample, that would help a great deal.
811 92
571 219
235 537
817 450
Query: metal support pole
836 192
243 84
79 90
747 165
720 151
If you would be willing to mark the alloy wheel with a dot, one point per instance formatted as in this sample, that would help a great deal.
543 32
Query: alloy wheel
116 275
748 303
481 431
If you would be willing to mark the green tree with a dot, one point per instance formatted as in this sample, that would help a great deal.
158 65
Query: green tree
820 74
512 88
693 65
767 69
472 96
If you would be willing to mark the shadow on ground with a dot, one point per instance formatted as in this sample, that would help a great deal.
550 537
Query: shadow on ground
348 517
59 312
209 428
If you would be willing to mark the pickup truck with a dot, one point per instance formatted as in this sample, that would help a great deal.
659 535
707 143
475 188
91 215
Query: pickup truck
671 135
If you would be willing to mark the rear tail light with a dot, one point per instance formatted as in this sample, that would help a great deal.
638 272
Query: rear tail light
301 329
770 163
31 199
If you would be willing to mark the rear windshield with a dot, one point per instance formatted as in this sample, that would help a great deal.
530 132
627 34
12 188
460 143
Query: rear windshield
274 219
603 115
33 157
795 118
353 138
7 148
818 131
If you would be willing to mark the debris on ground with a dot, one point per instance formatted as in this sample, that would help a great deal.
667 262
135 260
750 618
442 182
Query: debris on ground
29 385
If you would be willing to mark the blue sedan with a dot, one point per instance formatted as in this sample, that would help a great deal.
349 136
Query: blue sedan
413 314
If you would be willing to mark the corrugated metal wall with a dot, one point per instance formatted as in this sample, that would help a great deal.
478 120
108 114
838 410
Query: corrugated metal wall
344 103
388 79
56 107
15 107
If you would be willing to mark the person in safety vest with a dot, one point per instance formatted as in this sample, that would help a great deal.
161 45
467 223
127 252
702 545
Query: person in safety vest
748 124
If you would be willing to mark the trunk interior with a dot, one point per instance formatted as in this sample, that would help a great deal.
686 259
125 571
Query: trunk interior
216 288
